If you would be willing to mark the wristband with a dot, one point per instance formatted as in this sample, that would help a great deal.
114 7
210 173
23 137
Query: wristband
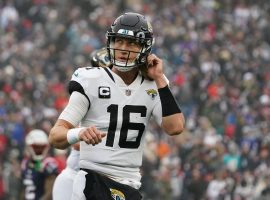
73 135
168 102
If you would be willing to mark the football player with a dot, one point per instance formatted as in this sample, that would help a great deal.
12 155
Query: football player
63 185
113 106
62 188
38 169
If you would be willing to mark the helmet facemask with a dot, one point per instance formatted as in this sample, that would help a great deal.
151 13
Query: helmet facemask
38 151
129 63
37 144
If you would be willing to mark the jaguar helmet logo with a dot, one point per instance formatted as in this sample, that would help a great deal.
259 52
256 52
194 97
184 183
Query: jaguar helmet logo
117 195
152 93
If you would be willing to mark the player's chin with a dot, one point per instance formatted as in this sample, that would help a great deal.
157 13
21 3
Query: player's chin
125 61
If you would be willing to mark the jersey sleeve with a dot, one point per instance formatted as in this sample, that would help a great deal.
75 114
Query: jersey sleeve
79 83
76 109
83 80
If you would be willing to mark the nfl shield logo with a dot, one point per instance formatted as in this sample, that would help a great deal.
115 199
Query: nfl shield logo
128 92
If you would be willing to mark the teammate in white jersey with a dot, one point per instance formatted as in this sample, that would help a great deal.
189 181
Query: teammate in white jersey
63 184
113 107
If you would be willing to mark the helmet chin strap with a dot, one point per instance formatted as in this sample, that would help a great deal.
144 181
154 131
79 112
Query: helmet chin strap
123 67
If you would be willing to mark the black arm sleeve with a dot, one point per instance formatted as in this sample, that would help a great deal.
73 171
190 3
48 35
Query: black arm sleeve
168 102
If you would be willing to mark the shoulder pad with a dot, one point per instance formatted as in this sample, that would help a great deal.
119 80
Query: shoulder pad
50 165
86 72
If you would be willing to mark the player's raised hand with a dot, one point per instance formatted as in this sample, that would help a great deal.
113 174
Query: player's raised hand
91 135
155 67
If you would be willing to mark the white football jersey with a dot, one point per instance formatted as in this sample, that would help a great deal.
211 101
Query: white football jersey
73 160
123 112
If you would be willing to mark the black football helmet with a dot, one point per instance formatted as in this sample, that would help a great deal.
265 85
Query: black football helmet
100 58
131 26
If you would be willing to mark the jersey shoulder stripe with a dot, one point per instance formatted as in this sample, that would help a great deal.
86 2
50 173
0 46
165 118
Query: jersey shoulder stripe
109 73
82 78
87 72
75 86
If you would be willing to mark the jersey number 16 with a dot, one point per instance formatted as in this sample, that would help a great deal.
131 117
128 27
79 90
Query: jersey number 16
126 125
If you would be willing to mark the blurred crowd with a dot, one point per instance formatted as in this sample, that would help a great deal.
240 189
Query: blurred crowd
216 56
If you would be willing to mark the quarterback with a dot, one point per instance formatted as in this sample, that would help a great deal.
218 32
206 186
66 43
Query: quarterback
112 106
